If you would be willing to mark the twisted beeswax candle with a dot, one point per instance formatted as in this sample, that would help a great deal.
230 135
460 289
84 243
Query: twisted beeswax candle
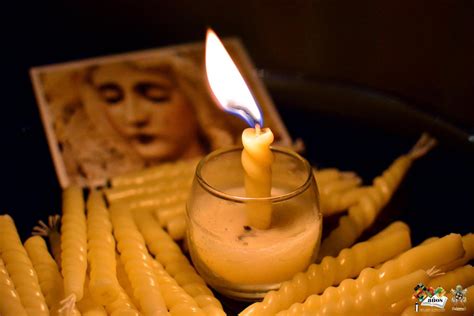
257 161
103 283
73 243
49 277
134 254
331 271
10 303
436 253
168 253
171 170
20 269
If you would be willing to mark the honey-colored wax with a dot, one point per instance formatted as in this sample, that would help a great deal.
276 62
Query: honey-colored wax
257 159
237 253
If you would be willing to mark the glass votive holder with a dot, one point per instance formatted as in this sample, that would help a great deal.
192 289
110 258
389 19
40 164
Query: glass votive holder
233 257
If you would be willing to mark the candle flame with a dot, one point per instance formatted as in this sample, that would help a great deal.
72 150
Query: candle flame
227 84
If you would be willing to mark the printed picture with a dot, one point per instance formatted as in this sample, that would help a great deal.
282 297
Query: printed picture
110 115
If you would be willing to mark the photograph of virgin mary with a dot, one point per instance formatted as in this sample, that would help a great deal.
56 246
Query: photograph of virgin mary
114 115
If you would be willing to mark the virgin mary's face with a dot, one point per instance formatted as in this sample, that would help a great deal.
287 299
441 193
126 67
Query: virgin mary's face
146 108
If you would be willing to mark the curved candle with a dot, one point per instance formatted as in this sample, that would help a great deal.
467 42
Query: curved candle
375 300
436 253
257 161
331 271
371 201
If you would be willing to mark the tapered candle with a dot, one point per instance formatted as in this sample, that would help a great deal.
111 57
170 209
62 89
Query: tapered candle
257 161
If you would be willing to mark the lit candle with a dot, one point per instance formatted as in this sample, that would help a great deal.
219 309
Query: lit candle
243 246
231 92
257 161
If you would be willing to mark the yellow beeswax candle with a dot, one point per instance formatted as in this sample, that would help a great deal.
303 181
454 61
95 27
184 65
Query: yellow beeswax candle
134 256
49 277
10 303
20 269
373 301
168 253
468 245
73 243
331 271
436 253
103 284
257 161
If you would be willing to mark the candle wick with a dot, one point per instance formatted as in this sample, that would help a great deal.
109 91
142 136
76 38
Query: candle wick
257 129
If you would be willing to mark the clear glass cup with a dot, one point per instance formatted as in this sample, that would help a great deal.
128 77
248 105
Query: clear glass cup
238 260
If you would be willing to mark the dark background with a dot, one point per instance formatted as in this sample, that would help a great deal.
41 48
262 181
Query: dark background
421 50
358 81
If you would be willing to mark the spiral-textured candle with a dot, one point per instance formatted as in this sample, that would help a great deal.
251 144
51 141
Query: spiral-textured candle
332 271
164 215
257 159
176 227
362 215
177 300
133 253
169 170
338 202
125 303
50 279
73 242
436 253
168 253
122 305
158 186
371 201
468 245
339 194
154 201
463 275
10 304
20 269
124 281
104 286
87 306
375 300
